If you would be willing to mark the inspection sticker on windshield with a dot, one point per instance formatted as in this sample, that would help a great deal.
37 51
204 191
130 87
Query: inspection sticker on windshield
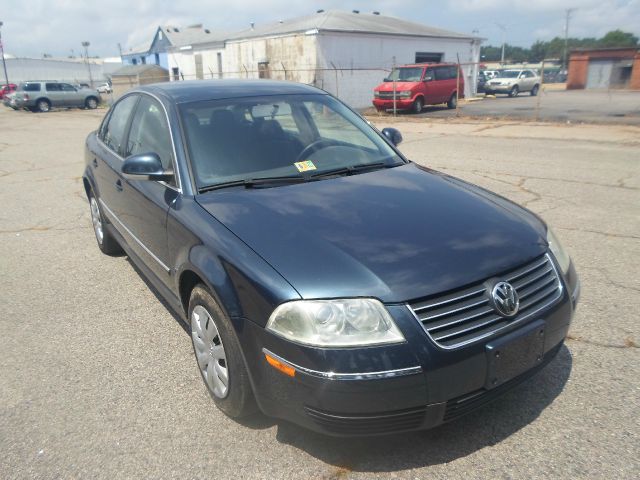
305 166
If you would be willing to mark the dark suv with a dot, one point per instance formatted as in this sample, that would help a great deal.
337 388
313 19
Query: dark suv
42 96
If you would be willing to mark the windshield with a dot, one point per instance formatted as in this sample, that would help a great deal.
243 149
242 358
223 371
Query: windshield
510 73
406 74
278 136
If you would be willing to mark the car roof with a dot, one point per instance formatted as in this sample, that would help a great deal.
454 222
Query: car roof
202 90
428 64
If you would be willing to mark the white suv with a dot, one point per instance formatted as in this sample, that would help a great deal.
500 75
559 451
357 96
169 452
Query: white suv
512 82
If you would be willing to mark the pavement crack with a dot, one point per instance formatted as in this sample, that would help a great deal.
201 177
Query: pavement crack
628 342
598 232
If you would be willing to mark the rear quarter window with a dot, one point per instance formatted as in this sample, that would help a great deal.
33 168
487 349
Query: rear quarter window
30 87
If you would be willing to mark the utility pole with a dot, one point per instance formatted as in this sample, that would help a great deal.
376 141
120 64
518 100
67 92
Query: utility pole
568 13
86 58
4 65
504 36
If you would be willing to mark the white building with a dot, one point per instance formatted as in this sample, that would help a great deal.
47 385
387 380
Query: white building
345 53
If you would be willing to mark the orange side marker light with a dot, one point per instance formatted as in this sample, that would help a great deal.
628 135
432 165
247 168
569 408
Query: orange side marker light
278 365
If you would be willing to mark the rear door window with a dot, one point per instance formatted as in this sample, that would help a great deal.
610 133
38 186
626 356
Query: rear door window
115 130
52 87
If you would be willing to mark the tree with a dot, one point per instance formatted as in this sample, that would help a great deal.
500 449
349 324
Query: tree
618 38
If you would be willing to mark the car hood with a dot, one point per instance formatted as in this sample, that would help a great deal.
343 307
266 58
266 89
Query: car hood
395 234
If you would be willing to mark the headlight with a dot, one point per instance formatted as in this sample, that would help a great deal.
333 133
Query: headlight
558 251
376 94
404 93
335 323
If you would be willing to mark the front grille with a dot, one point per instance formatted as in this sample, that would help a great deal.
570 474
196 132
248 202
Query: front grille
458 407
466 315
368 424
389 95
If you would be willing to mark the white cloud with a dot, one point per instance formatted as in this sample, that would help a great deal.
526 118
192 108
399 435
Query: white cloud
33 27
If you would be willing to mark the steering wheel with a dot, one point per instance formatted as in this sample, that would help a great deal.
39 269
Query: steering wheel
315 146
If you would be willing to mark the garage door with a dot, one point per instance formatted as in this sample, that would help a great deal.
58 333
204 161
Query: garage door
599 74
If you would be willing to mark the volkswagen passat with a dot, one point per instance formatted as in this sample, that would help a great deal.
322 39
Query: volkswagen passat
326 279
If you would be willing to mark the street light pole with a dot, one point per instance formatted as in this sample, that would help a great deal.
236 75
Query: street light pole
568 13
4 64
86 59
504 35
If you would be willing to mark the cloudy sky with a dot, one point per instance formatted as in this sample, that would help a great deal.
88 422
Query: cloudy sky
34 27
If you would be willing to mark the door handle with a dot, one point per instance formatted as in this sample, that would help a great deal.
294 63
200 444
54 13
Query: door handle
119 185
95 163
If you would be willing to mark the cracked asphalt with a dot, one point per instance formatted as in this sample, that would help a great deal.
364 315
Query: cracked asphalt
97 378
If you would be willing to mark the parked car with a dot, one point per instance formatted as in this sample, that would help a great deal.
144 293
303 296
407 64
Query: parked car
420 85
6 89
105 88
489 74
9 100
323 276
42 96
482 80
512 82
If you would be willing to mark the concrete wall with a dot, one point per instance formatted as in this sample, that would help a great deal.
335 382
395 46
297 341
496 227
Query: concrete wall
374 55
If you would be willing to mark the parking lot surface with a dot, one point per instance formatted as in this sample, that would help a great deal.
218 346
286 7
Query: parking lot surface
575 106
98 379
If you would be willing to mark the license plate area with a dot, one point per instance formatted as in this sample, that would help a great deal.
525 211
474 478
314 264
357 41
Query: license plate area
514 354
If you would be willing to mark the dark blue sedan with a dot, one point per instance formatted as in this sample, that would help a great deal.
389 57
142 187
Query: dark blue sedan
326 279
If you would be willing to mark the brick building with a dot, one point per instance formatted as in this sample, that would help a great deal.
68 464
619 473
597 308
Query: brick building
604 68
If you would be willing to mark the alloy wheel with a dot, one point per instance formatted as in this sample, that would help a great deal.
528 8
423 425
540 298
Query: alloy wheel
210 354
96 219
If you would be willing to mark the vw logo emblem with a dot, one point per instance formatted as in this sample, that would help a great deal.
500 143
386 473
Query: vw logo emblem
505 299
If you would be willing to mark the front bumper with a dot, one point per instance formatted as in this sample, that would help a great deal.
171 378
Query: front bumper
387 389
387 104
497 88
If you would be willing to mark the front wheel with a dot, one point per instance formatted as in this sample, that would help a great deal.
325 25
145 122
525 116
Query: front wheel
514 91
218 354
417 105
534 90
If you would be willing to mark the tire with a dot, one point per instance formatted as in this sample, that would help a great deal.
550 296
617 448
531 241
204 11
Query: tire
43 105
417 105
515 90
534 90
219 356
106 242
453 102
91 103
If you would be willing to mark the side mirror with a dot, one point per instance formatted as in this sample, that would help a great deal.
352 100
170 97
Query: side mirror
386 79
393 135
428 78
145 166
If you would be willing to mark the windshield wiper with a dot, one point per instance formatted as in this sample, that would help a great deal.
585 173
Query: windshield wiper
254 182
352 169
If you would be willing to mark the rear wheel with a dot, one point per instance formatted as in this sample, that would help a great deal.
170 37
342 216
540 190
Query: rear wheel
514 91
91 103
218 354
534 90
418 103
43 105
453 101
106 243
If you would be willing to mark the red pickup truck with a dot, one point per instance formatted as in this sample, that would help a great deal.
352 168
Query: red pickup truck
419 85
7 89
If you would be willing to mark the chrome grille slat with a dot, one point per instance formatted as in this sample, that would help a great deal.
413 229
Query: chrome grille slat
457 318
